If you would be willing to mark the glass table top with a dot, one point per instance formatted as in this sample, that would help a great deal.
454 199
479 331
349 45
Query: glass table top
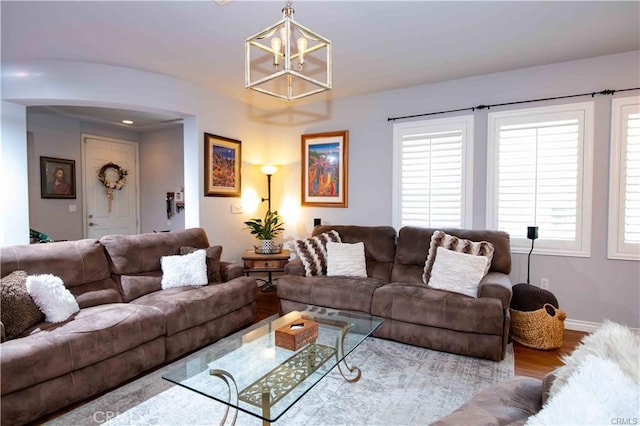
251 373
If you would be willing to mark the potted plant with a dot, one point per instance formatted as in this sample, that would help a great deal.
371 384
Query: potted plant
266 230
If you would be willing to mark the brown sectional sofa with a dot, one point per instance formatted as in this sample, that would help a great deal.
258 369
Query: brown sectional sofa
126 324
510 402
394 290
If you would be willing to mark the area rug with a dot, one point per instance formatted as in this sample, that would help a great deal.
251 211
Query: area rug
400 385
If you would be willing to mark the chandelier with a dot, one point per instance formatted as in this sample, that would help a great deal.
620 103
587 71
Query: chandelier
288 60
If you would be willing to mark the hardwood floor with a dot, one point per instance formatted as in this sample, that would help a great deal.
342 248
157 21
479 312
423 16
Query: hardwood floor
268 304
537 363
528 362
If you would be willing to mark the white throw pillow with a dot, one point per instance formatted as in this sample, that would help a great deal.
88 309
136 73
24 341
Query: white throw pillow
51 296
186 270
451 242
597 392
457 272
346 260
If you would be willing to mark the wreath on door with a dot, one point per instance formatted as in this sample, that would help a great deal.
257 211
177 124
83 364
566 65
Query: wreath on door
107 176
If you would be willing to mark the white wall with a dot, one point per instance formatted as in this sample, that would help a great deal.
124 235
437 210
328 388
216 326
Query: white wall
161 171
14 225
589 289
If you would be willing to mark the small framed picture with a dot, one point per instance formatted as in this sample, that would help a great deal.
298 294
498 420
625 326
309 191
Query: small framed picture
324 169
222 162
57 178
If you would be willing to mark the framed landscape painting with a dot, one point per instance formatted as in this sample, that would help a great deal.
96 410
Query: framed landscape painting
324 169
222 161
57 178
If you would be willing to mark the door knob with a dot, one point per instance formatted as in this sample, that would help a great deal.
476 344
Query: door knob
92 224
90 216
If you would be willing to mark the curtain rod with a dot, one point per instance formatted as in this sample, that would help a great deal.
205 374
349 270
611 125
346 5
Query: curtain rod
481 107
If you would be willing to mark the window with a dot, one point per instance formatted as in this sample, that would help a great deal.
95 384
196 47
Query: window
624 180
540 174
432 173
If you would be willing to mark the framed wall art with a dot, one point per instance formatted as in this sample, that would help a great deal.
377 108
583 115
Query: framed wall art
222 162
325 169
57 178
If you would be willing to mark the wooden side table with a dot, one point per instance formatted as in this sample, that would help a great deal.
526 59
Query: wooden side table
270 263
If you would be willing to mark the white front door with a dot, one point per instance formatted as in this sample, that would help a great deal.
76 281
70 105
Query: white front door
121 214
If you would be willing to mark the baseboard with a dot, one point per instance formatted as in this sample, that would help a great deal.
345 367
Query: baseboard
587 326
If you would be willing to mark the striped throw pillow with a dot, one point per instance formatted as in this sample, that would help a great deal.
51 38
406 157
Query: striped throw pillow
450 242
313 252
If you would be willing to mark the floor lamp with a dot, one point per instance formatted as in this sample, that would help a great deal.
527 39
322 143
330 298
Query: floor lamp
268 170
532 234
524 295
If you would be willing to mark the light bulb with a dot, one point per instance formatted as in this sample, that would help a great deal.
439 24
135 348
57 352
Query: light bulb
302 48
275 46
284 37
269 169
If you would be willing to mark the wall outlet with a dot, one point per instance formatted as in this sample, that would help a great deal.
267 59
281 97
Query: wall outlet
544 283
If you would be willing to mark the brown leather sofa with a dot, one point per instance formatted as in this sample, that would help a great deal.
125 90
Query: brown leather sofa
394 290
126 324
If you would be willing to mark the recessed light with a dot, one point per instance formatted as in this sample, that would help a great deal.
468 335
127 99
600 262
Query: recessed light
127 121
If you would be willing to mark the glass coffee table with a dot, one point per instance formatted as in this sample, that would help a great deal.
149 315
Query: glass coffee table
261 374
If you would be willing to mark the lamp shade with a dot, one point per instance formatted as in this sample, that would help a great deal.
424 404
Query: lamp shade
269 169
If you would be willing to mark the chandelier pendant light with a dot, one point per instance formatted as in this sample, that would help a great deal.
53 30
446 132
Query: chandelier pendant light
288 60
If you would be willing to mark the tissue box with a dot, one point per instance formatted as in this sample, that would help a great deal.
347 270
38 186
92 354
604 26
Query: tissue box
296 334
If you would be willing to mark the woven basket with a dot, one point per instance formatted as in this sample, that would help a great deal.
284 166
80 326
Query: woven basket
539 329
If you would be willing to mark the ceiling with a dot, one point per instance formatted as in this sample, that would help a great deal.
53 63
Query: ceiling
378 46
141 121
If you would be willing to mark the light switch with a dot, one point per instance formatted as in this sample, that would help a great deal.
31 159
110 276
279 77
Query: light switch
236 209
73 208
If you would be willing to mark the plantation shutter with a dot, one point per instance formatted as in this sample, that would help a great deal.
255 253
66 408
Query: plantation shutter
538 178
540 173
430 180
632 179
624 180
